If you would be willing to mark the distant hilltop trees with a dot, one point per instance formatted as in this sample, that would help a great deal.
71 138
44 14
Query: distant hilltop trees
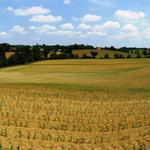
22 54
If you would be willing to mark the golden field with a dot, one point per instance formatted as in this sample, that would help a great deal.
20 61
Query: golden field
9 54
76 104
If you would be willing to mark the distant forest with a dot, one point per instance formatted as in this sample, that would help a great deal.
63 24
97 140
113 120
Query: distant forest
22 54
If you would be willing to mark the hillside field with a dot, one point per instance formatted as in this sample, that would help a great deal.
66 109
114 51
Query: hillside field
101 53
91 104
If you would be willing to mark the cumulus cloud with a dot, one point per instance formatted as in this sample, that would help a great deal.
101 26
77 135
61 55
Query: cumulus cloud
18 29
96 33
111 25
43 29
146 33
67 1
45 18
129 31
68 33
90 18
130 28
107 26
3 34
129 15
53 30
97 27
35 10
67 26
127 36
84 26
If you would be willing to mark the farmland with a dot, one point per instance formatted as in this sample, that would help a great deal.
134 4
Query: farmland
102 53
76 104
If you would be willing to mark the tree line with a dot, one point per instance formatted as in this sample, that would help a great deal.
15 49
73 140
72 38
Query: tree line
132 50
25 54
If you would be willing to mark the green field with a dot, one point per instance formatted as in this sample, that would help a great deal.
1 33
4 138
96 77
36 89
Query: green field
101 53
76 104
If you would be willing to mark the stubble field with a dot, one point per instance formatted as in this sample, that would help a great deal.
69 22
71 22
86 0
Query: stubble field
76 104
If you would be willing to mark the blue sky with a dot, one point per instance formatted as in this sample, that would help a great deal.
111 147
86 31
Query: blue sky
97 22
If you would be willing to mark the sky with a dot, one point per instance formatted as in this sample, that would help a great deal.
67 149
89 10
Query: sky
97 22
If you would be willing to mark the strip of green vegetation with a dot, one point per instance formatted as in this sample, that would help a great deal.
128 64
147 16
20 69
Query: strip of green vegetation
88 88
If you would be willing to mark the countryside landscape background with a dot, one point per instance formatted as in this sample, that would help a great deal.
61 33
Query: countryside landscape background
87 87
69 97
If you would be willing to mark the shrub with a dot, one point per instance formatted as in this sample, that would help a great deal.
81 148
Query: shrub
138 56
94 54
85 56
118 56
106 56
128 56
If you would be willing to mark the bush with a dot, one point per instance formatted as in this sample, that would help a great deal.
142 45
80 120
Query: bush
138 56
76 56
106 56
128 56
94 54
118 56
147 56
85 56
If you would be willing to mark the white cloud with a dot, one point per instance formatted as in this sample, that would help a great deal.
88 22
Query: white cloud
146 33
43 28
65 33
84 26
129 32
96 33
9 9
144 24
67 1
67 26
68 33
111 25
46 18
33 28
127 36
130 28
3 34
53 30
106 26
90 18
18 29
97 28
35 10
129 15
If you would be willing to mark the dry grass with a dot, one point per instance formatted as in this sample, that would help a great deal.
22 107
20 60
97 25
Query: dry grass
9 54
76 104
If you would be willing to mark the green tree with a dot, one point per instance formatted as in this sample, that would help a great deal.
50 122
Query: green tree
46 50
106 56
94 54
128 56
144 52
117 55
138 56
3 48
36 53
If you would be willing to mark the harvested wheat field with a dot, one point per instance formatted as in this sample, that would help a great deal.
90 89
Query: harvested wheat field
76 105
